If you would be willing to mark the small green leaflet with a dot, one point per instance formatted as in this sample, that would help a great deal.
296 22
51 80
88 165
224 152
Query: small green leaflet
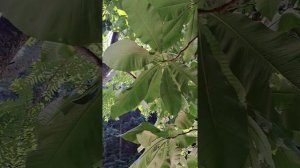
169 93
126 55
130 99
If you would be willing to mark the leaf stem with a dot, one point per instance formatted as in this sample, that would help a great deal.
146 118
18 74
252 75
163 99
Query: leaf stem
186 47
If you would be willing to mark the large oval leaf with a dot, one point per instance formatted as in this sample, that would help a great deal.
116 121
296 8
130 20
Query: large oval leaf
74 22
126 55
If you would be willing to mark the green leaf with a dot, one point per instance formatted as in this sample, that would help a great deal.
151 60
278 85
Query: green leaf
171 9
73 22
154 88
131 135
184 120
146 138
144 19
268 8
154 156
172 30
131 98
185 72
71 137
126 55
169 93
223 132
254 53
145 22
289 20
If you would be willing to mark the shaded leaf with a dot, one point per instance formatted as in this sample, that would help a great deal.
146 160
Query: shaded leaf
223 132
268 7
289 20
254 53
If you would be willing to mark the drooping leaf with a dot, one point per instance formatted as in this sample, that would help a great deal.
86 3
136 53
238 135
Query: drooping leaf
223 132
131 135
268 8
254 53
72 138
169 93
126 55
72 22
131 98
154 88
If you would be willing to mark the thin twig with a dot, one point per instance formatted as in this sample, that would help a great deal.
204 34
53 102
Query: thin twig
186 47
131 75
219 9
182 133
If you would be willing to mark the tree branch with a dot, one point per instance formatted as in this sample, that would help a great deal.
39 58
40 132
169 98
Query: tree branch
186 47
219 9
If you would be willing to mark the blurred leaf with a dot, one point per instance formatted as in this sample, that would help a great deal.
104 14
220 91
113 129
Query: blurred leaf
71 139
68 21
